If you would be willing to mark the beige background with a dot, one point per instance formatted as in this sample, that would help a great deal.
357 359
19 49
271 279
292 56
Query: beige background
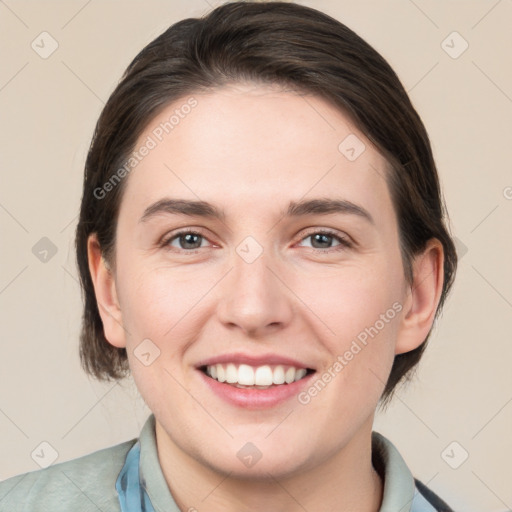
48 108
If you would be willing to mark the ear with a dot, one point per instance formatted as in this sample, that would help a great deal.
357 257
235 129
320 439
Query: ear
423 297
106 294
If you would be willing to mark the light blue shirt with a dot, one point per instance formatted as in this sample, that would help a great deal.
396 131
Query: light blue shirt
400 493
128 478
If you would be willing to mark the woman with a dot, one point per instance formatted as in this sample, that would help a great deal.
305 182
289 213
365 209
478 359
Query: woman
262 245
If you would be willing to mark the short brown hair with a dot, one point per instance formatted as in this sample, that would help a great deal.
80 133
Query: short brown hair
272 43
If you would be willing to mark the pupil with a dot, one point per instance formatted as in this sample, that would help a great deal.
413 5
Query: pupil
188 238
321 238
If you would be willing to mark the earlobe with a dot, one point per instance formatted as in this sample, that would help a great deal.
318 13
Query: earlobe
423 298
106 294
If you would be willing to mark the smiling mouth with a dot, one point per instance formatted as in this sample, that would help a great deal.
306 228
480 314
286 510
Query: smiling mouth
245 376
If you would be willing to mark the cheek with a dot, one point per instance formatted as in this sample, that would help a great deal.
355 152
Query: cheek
155 302
158 312
355 299
362 308
163 310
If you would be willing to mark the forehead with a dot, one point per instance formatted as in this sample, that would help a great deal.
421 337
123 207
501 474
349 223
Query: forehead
255 147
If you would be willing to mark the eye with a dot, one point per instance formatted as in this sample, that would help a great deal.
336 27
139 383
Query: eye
186 240
189 241
323 239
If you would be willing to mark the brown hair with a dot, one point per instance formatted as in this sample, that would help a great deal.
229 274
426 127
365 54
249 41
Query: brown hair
273 43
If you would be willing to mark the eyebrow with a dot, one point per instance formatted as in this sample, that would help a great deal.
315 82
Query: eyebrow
295 209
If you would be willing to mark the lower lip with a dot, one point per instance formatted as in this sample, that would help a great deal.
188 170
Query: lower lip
255 398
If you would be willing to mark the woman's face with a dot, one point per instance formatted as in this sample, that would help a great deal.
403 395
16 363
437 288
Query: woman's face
299 270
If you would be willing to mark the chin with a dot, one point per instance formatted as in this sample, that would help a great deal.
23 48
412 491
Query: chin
263 470
259 460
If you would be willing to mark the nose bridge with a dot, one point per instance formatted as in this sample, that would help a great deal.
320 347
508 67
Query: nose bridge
253 298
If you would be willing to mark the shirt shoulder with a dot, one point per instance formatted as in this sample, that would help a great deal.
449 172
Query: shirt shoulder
400 487
426 500
83 484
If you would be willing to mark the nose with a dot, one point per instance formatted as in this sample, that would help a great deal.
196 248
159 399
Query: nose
254 298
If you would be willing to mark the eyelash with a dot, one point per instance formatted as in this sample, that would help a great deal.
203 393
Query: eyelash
344 242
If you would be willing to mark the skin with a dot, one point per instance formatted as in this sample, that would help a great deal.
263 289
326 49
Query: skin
249 150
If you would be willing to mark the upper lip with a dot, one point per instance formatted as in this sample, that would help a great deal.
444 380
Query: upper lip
253 360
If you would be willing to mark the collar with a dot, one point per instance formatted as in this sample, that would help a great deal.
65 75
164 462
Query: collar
142 487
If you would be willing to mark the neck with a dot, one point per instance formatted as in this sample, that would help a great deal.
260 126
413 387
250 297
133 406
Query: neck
346 481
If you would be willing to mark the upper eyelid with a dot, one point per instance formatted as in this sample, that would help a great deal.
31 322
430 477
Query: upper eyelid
343 237
183 231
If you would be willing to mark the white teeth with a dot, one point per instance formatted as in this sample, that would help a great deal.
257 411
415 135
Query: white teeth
278 376
261 377
299 374
221 373
289 376
245 375
231 374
